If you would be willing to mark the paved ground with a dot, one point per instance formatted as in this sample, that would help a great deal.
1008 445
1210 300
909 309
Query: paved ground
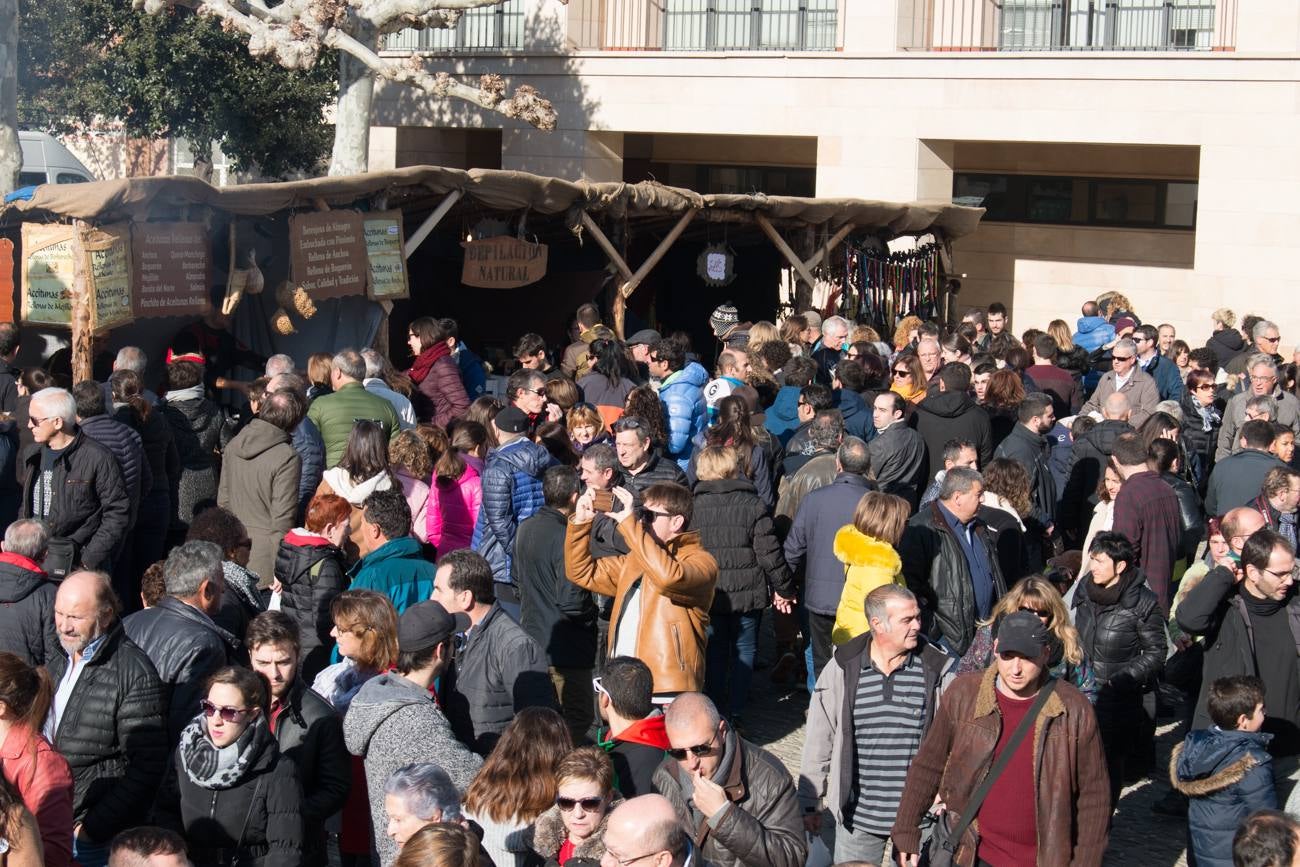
1138 837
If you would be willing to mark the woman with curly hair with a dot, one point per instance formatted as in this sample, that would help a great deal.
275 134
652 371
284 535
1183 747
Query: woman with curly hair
1066 660
1003 507
517 783
643 403
759 333
1002 402
242 599
412 465
907 332
908 377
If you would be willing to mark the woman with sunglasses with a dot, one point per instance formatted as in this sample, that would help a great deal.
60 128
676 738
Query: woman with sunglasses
243 599
908 377
229 791
517 783
571 833
1202 418
1066 658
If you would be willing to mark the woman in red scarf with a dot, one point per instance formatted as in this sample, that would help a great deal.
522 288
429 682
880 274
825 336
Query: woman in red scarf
440 395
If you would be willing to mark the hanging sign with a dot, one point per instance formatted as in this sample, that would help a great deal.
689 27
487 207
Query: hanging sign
503 262
6 280
108 266
327 251
172 264
716 265
47 274
384 250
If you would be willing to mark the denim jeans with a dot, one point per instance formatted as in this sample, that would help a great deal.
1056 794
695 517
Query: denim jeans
729 659
89 854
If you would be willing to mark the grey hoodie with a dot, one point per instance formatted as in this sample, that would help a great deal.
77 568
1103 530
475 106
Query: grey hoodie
393 722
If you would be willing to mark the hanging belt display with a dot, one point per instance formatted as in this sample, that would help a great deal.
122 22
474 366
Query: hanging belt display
880 288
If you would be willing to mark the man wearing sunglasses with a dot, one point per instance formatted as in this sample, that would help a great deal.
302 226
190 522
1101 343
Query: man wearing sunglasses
1124 377
738 796
1263 380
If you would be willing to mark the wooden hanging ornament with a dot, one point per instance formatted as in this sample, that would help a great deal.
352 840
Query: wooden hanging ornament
716 265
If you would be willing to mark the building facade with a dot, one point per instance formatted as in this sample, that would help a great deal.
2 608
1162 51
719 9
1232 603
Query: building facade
1143 146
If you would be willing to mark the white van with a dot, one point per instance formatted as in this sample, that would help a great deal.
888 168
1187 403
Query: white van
47 161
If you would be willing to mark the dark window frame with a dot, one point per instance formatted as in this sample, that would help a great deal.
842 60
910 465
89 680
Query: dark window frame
1016 201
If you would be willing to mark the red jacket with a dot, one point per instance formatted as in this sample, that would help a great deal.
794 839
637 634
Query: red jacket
44 781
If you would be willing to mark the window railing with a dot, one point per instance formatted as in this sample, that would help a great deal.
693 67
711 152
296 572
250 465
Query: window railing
1069 25
491 28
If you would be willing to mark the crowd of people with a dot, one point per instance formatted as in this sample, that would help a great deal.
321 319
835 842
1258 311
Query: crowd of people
379 616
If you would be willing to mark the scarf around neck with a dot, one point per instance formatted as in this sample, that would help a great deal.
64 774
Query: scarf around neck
211 767
194 392
1107 596
424 362
244 584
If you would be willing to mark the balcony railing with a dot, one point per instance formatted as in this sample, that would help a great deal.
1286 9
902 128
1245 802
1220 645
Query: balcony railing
645 25
1069 25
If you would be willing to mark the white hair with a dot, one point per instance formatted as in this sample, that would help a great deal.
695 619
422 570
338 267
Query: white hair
131 358
836 325
278 364
57 403
426 790
374 363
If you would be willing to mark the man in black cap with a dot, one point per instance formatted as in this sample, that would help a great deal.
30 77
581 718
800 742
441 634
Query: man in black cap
512 492
393 721
1057 766
640 344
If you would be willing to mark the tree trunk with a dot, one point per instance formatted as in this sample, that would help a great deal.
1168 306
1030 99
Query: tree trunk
11 153
352 113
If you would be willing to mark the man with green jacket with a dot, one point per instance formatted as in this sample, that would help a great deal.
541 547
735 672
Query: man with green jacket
334 414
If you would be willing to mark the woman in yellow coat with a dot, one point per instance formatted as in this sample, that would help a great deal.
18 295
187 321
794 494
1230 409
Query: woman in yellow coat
867 549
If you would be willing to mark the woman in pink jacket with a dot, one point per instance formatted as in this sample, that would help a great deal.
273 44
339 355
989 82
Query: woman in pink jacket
30 764
412 465
457 490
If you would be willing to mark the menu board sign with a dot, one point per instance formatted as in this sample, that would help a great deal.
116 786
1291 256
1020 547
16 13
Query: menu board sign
47 274
173 269
384 249
328 253
503 262
108 263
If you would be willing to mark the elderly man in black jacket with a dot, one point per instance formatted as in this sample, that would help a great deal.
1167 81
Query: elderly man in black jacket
499 670
27 595
72 482
179 635
107 718
556 613
308 731
950 562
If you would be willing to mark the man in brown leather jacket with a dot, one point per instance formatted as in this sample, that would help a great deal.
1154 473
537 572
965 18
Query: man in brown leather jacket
1059 766
662 587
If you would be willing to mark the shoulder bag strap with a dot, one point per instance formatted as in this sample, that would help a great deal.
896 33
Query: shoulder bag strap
257 790
973 806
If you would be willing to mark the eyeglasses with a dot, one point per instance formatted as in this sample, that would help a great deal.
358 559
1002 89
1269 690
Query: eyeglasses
623 862
540 392
651 514
1045 615
655 358
1209 386
703 751
1269 378
37 422
1281 575
902 374
598 686
1271 339
589 805
229 714
1121 358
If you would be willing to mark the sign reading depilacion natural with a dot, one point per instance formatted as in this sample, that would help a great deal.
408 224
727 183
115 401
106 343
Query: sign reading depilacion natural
173 268
328 253
384 243
503 262
49 268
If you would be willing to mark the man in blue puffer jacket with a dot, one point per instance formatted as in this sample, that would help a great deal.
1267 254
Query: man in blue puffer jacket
512 492
681 389
782 417
1094 330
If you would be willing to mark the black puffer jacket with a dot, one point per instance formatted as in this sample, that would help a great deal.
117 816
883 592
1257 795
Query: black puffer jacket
1088 460
27 611
657 469
159 448
90 503
1200 443
951 415
201 429
185 646
113 735
935 569
1075 361
735 528
310 735
311 573
257 822
122 440
1126 641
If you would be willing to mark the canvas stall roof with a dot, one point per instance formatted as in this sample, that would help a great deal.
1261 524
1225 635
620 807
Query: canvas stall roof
419 187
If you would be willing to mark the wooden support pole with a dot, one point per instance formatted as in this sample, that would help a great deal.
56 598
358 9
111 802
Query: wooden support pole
620 298
430 223
790 256
829 246
82 352
603 243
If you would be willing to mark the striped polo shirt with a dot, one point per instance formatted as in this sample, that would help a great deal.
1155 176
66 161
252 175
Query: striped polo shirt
888 721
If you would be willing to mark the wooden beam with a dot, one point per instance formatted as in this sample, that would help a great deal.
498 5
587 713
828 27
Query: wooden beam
430 223
82 350
829 246
603 243
624 291
790 256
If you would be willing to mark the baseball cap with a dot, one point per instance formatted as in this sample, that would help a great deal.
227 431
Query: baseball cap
813 318
511 420
1023 633
645 336
428 624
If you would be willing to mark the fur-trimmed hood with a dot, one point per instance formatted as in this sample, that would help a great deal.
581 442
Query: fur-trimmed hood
549 833
1210 760
854 548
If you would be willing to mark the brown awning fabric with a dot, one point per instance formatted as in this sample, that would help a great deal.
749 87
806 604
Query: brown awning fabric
137 198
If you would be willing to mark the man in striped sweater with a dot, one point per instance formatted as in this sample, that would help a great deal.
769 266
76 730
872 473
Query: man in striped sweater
873 703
